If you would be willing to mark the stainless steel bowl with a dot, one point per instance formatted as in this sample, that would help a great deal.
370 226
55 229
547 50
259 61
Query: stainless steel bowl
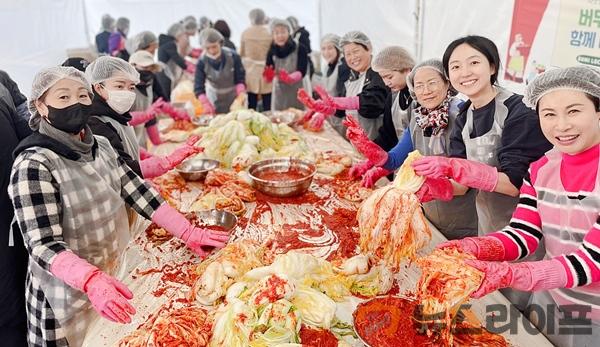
285 117
282 189
224 219
202 120
195 169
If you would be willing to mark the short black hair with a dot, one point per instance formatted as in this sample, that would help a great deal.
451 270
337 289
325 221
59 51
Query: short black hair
595 100
482 44
222 27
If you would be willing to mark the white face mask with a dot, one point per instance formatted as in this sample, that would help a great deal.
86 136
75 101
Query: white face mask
120 100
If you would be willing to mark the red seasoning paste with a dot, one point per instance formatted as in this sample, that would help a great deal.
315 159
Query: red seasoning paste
388 322
274 175
317 337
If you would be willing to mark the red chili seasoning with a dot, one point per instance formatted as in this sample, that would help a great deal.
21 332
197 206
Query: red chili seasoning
343 223
274 288
317 337
274 175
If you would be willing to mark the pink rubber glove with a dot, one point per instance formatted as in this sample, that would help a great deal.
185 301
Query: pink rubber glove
176 224
483 248
527 276
358 170
307 116
269 73
435 189
466 172
144 154
373 175
291 78
190 68
361 142
107 295
240 88
316 121
325 107
175 113
195 52
157 166
153 135
142 117
207 106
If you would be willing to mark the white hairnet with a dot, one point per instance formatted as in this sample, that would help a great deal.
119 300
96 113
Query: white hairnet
210 35
44 80
175 30
434 64
190 25
293 22
107 67
357 37
204 23
393 58
123 24
333 39
107 22
257 16
582 78
276 22
140 41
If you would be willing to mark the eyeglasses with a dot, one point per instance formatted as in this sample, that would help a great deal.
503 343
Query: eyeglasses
431 86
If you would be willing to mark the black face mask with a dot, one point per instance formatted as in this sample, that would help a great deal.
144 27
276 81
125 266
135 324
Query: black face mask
71 119
146 79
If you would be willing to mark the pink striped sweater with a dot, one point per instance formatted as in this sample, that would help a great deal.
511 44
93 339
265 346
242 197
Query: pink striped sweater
564 211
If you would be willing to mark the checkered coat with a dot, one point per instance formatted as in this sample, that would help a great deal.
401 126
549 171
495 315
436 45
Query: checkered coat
40 211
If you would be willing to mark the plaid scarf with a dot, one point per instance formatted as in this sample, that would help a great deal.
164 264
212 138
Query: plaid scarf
435 120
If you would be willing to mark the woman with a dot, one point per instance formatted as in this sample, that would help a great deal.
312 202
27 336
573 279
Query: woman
365 90
559 203
432 119
220 74
495 139
107 27
169 55
116 41
286 65
333 79
222 27
254 46
69 189
114 82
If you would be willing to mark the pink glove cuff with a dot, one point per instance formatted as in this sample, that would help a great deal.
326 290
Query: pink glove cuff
75 271
295 76
174 222
140 117
154 167
347 103
488 247
153 135
240 88
545 274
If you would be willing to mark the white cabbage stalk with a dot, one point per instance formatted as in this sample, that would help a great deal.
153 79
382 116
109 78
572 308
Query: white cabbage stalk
315 308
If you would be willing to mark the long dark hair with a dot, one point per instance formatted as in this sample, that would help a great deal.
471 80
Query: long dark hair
222 27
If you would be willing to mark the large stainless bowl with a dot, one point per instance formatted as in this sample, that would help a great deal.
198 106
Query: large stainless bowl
282 189
202 120
224 219
195 169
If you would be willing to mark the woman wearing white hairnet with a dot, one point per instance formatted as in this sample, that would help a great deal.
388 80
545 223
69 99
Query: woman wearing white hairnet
559 204
254 46
69 189
365 93
432 117
286 65
168 54
114 82
220 75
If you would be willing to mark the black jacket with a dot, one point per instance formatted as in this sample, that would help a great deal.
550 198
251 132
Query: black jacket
373 95
167 50
102 42
387 138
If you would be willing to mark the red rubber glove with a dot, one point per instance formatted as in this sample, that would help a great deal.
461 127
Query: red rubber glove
483 248
527 276
207 106
358 170
269 73
373 175
108 296
466 172
435 189
361 142
175 113
153 135
291 78
306 99
316 121
195 52
194 237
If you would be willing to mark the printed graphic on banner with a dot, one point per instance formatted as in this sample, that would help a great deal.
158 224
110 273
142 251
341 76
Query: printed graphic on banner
578 33
527 16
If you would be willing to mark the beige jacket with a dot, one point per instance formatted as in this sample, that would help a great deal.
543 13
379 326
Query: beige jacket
255 44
